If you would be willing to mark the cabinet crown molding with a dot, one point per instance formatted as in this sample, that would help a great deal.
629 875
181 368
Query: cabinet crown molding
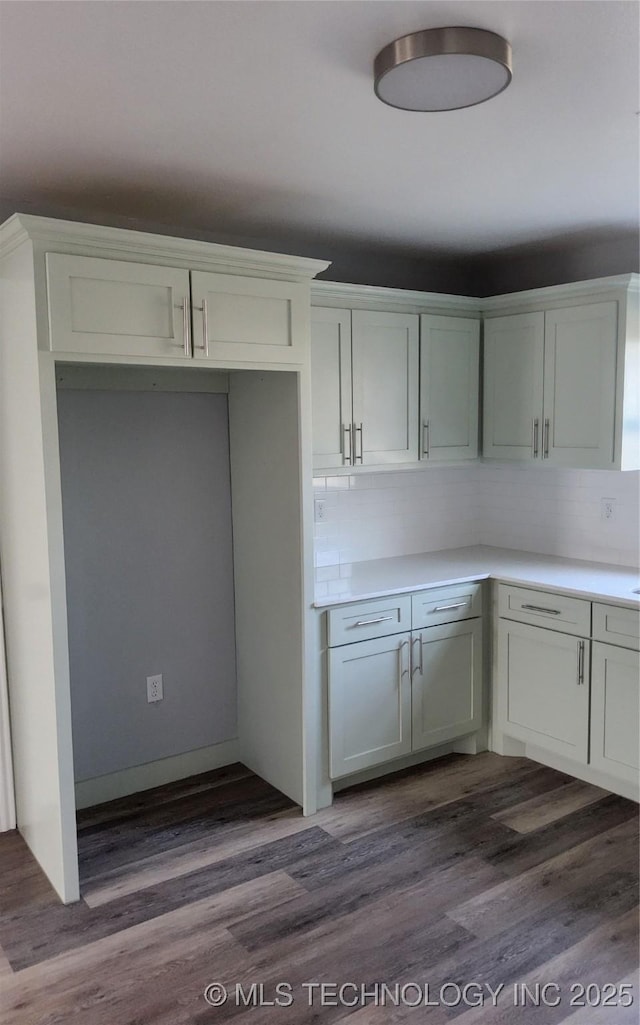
98 240
372 297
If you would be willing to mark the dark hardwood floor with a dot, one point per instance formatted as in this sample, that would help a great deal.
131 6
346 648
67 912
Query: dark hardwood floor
455 884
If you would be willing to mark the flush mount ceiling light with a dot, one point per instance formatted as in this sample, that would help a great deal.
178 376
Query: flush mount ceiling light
442 69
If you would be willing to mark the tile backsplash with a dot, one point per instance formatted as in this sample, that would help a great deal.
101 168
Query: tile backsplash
551 511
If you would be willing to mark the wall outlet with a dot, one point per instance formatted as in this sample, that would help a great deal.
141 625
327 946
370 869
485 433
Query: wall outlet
607 509
154 688
320 510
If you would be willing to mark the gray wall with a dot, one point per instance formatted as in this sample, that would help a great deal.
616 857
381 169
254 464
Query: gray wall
148 548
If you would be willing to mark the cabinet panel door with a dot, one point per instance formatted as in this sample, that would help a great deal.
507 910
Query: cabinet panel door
249 319
449 369
580 385
543 698
385 387
513 376
615 711
111 307
331 386
369 703
447 683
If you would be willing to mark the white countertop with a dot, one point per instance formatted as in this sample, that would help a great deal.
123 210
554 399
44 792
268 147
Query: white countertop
377 577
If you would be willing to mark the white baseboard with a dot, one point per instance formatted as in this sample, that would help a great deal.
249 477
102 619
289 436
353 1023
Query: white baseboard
155 774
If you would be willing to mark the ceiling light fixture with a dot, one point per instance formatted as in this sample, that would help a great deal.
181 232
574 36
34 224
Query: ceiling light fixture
442 69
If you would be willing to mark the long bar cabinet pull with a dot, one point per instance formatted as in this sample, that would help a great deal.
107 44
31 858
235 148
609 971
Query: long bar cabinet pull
536 427
545 454
371 622
426 439
186 325
580 662
358 430
541 608
347 454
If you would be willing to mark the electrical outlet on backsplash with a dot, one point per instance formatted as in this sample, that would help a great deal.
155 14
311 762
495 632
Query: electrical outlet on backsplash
549 511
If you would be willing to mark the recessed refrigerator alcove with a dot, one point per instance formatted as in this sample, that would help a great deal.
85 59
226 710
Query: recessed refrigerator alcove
146 496
183 553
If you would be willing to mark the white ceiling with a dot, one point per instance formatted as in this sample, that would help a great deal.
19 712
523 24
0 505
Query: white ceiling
255 117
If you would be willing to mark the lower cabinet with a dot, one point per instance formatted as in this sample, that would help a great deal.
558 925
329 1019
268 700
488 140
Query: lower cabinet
615 710
402 693
543 694
369 703
446 690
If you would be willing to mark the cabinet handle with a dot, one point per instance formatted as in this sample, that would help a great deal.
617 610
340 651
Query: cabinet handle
417 668
401 647
545 454
186 325
358 430
346 458
541 608
535 426
580 662
371 622
205 326
426 439
445 608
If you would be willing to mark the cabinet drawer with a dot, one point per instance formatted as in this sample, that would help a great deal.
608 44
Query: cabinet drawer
555 611
614 625
446 605
368 619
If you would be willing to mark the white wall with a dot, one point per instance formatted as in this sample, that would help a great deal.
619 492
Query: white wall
555 512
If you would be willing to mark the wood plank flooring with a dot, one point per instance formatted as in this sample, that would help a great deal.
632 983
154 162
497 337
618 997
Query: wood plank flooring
481 872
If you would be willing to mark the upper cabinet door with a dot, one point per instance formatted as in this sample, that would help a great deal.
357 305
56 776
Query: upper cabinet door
580 351
331 386
112 307
513 376
249 319
385 387
449 369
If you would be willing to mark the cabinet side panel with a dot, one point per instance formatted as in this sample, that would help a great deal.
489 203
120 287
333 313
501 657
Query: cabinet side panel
36 659
265 491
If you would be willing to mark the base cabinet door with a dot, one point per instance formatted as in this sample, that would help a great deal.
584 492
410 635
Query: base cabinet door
369 703
543 688
117 308
615 711
447 682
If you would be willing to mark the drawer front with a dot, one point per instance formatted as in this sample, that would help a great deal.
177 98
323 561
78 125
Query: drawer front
368 619
614 625
446 605
542 608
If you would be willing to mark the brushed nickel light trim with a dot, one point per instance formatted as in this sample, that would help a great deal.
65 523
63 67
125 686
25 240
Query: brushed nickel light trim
442 69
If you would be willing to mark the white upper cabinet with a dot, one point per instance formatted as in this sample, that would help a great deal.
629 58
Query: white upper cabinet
385 387
331 386
248 318
112 307
562 385
364 378
449 387
580 349
513 377
172 299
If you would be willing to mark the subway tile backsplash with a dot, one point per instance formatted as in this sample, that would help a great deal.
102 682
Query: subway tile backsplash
554 512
